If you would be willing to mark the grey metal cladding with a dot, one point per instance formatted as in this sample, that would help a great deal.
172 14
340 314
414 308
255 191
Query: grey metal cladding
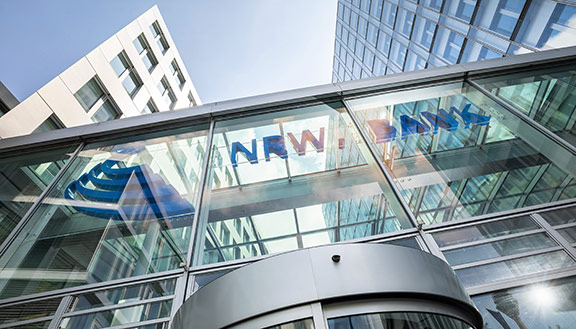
310 275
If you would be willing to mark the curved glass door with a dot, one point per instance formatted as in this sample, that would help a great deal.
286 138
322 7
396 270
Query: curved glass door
397 320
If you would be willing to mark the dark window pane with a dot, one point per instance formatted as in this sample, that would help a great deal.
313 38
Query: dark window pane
89 94
106 112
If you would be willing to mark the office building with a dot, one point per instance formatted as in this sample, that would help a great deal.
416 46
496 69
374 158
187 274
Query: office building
138 70
382 37
393 202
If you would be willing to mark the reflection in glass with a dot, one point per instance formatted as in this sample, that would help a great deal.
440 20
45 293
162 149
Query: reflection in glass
119 316
300 324
537 306
22 179
484 231
498 249
477 275
547 96
289 180
122 209
456 154
37 325
397 320
560 216
123 295
23 312
548 24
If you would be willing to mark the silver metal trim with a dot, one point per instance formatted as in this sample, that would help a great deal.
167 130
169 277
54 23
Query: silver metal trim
200 196
64 304
308 276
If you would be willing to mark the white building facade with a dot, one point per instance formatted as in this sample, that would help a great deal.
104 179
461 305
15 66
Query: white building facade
138 70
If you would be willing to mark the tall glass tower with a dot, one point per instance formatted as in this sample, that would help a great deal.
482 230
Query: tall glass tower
381 37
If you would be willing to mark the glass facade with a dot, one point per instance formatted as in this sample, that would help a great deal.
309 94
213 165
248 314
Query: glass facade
117 231
286 173
122 209
412 35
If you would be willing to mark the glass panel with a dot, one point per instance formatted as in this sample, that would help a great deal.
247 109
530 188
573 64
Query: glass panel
48 125
289 180
547 96
123 295
514 268
477 52
150 107
121 210
22 180
131 83
499 16
447 45
461 9
140 43
162 44
89 94
38 325
498 249
118 316
408 242
548 24
149 60
163 325
119 64
300 324
546 305
397 321
203 279
484 231
106 112
569 234
155 29
561 216
23 312
450 150
424 32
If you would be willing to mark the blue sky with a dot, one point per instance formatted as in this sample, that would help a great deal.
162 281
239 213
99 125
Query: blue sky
232 48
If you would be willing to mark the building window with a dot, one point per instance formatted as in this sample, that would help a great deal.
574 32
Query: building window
106 112
159 37
97 102
166 92
191 99
150 107
52 123
89 94
561 22
126 72
145 52
177 73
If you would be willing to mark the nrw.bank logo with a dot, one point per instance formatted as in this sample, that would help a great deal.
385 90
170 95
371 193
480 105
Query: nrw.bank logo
382 130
